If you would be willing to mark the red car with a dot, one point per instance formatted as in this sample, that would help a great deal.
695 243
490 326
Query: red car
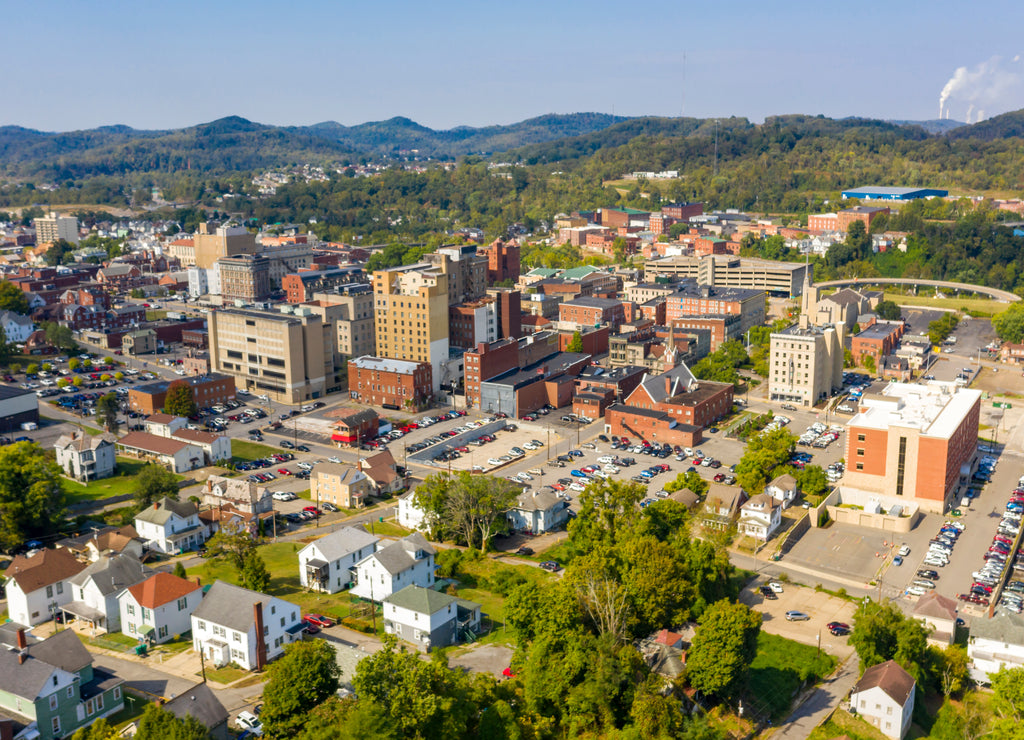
319 620
312 510
720 477
558 486
284 471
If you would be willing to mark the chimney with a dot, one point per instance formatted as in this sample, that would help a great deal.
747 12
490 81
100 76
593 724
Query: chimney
22 643
198 581
668 386
156 504
261 645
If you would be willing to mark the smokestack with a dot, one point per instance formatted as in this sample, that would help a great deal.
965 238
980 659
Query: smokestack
261 645
22 642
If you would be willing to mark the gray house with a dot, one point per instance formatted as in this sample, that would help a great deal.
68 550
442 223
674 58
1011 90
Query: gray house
538 512
94 591
429 618
326 564
201 703
84 457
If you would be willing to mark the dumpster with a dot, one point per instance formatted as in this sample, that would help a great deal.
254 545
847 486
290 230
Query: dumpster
141 650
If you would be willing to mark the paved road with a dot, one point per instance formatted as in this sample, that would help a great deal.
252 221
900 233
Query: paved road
800 724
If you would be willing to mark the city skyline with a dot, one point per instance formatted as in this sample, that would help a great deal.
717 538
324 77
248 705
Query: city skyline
453 64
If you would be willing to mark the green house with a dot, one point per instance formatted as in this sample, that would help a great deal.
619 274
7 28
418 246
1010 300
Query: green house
51 689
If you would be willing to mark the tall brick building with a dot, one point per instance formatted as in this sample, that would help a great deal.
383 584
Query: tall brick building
394 384
502 261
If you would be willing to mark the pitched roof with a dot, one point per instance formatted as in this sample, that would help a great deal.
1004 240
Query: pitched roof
160 589
721 495
44 568
347 474
933 604
161 511
679 378
537 500
381 467
401 555
785 481
230 606
80 442
686 497
890 678
112 573
759 502
419 599
1005 627
161 418
201 703
62 650
343 542
197 436
152 443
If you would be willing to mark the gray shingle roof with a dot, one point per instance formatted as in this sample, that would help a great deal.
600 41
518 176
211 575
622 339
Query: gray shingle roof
63 650
231 606
200 702
343 542
422 600
1008 628
681 380
160 512
113 573
890 678
401 555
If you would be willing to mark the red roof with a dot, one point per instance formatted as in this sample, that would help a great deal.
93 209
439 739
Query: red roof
161 589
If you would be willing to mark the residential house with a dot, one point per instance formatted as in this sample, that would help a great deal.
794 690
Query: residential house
409 561
86 457
665 653
538 512
174 454
722 504
326 564
230 519
201 703
429 618
410 515
159 608
247 628
383 471
783 489
242 495
51 689
95 590
760 516
939 613
38 585
884 697
341 485
995 643
17 328
170 526
686 497
102 541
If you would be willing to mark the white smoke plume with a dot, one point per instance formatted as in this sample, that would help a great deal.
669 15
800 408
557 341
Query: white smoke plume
990 83
970 110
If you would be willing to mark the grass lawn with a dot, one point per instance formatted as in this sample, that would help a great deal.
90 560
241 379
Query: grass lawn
242 451
844 723
562 553
156 315
225 675
779 669
134 705
388 529
123 481
981 305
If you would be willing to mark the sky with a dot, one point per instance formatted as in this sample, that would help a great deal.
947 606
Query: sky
71 65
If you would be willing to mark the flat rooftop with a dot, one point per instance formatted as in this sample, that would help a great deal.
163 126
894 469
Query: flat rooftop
935 409
877 331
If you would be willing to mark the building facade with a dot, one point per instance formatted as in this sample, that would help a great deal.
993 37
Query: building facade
244 277
393 384
805 363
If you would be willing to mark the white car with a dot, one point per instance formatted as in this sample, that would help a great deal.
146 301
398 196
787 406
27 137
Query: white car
606 460
283 496
904 551
775 586
524 477
529 446
305 466
577 486
334 459
249 721
611 469
494 461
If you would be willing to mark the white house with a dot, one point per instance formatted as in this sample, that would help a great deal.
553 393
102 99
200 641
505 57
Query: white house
538 512
995 643
326 564
939 614
159 608
429 618
37 586
85 457
760 516
103 541
95 590
410 515
170 526
250 629
176 455
407 562
243 495
17 328
783 489
884 697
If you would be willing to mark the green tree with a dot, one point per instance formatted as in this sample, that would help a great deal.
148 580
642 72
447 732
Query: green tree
179 570
885 633
1008 703
159 724
234 543
107 408
1009 324
254 573
764 453
952 669
58 253
888 310
32 369
180 399
77 381
98 730
812 480
869 363
13 298
60 336
469 509
303 678
32 498
723 649
152 483
691 480
74 363
576 343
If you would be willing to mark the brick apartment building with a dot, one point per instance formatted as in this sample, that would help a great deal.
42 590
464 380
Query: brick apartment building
502 261
722 328
85 295
684 398
207 389
648 425
300 287
393 384
682 211
355 426
693 300
914 443
824 222
877 340
590 311
497 358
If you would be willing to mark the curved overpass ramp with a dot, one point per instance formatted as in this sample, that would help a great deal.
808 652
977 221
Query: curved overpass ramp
999 295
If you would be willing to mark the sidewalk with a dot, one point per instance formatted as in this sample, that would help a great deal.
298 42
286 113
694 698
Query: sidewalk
827 697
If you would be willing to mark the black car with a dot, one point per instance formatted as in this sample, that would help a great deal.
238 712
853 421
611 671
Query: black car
524 550
768 594
602 438
303 448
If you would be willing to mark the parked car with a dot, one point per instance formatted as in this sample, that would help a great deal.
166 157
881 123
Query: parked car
249 722
796 616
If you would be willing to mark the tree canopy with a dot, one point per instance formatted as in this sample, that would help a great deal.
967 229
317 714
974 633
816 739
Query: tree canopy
32 498
723 648
180 399
304 677
152 483
469 509
1009 324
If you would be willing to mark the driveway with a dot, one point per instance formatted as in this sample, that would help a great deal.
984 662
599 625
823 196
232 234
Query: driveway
801 723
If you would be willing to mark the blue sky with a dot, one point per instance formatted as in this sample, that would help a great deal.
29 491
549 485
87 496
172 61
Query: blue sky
69 65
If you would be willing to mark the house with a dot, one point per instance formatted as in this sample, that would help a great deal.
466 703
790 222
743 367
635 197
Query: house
247 628
938 613
51 689
995 643
409 561
383 471
95 590
665 653
85 457
170 526
884 697
215 446
429 618
342 485
760 516
200 702
88 547
410 515
159 608
686 497
538 512
783 489
326 564
38 585
174 454
228 518
721 505
17 328
242 495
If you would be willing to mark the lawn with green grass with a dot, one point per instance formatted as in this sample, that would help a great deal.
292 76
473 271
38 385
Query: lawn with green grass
123 481
986 306
844 723
779 669
227 674
242 451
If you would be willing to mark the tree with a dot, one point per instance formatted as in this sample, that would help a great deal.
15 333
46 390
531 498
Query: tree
691 480
467 508
180 399
812 480
254 572
1009 324
868 362
13 298
1008 702
77 381
159 724
723 649
98 730
885 633
179 570
60 336
32 369
153 483
58 251
576 343
74 363
32 498
304 677
233 542
764 453
107 408
952 667
888 310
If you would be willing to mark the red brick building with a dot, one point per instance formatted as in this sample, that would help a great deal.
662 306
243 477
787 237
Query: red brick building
502 261
595 341
208 390
85 295
488 361
355 426
393 384
655 427
591 311
682 211
864 214
722 328
704 300
684 398
877 340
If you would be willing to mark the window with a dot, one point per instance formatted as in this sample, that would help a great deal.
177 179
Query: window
56 726
182 604
60 588
53 699
888 710
860 437
162 632
236 636
117 693
71 691
131 610
49 592
201 624
860 466
860 452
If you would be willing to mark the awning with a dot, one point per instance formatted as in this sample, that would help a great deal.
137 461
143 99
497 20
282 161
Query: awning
317 564
145 629
83 610
341 438
295 628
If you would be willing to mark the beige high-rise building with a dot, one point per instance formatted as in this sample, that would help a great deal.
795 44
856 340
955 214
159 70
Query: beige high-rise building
53 227
466 271
411 315
805 364
350 308
226 241
288 356
244 277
